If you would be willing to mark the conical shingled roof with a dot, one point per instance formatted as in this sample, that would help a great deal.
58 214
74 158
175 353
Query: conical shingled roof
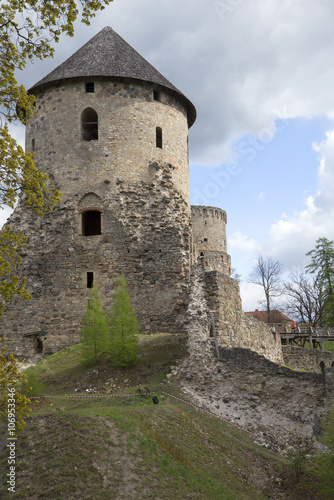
108 55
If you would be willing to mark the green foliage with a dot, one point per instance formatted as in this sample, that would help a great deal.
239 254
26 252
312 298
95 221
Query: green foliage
322 266
95 329
326 460
297 460
28 29
124 327
10 377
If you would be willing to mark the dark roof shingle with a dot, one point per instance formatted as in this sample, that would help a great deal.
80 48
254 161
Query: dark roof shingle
108 55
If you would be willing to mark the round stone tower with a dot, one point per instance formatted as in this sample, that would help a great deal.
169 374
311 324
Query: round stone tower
106 113
112 134
209 237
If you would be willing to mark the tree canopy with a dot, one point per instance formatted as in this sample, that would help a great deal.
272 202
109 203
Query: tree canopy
10 377
322 267
28 30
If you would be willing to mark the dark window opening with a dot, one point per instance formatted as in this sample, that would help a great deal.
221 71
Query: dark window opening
91 223
205 240
89 124
202 254
39 345
156 95
206 263
322 366
90 87
90 280
159 137
33 145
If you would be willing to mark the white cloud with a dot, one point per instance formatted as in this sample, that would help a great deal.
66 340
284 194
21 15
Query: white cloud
261 196
241 70
251 295
239 241
295 234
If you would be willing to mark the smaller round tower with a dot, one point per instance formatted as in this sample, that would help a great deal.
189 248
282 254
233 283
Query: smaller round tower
209 238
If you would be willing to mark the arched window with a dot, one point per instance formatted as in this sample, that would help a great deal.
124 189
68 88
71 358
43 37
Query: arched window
89 125
158 133
91 223
322 366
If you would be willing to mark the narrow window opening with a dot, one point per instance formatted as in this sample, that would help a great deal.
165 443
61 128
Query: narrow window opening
322 366
33 145
91 223
159 137
90 87
89 125
205 240
90 280
202 254
39 345
156 95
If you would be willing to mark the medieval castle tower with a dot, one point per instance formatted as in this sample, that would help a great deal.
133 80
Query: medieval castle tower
112 134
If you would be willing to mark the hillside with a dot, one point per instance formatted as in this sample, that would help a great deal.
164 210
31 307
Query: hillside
81 444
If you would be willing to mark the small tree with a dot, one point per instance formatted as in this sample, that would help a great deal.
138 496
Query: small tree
95 329
124 327
10 377
266 273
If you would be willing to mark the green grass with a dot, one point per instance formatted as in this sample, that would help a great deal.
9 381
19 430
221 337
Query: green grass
127 447
329 346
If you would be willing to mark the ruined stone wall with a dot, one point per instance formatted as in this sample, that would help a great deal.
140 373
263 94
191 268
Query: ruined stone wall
311 360
279 406
146 237
209 236
235 328
139 190
128 117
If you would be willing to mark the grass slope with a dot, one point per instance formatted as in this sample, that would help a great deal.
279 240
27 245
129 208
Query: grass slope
103 446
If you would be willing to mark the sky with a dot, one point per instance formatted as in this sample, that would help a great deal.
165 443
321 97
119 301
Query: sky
260 75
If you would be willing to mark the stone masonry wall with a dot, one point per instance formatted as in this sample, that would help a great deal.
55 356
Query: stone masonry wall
300 358
209 238
128 117
277 405
236 329
146 237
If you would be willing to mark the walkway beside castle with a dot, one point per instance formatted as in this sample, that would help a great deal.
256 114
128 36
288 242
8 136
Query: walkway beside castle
299 335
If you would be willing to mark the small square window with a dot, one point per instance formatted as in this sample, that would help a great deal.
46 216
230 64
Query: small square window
90 87
205 240
156 95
